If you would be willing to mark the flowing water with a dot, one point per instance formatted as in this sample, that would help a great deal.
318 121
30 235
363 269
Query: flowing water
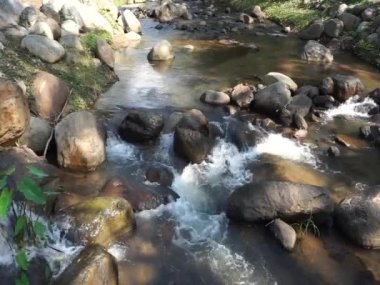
190 241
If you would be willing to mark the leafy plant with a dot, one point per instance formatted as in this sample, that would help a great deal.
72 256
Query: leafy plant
308 225
28 230
89 39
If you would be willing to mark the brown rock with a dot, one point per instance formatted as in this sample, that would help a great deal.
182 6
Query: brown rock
50 95
14 111
350 142
242 95
105 53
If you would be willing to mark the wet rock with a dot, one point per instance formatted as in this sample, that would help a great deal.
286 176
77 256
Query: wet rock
299 122
272 98
191 137
324 101
140 126
333 151
358 218
46 49
14 112
333 28
216 98
43 29
243 135
375 95
39 271
350 21
274 199
98 220
162 51
50 95
105 53
131 23
242 95
246 19
327 86
310 91
258 13
368 14
36 135
285 117
80 142
169 11
300 104
28 17
342 87
350 142
93 266
160 174
172 121
316 52
141 197
313 31
273 77
284 233
71 42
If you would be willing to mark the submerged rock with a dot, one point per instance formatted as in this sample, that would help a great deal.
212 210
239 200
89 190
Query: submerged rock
80 142
284 233
46 49
316 52
358 218
300 104
159 174
216 98
99 220
141 126
93 266
274 199
243 135
14 111
162 51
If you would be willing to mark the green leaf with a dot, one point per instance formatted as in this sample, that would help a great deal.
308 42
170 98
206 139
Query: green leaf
8 171
5 202
20 225
32 191
3 182
39 229
37 172
22 279
22 260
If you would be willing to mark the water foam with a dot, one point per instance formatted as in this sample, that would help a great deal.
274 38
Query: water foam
119 151
351 108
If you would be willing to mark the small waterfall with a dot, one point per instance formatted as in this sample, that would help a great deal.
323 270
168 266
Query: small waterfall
351 108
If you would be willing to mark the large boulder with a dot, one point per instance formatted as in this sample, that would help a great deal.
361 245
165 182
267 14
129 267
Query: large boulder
28 17
272 98
42 28
50 95
300 104
242 95
316 52
191 137
169 11
14 111
243 135
69 27
105 53
215 98
36 135
93 266
333 28
141 126
99 220
71 42
274 199
130 22
162 51
350 21
80 142
358 218
46 49
342 87
313 31
273 77
258 13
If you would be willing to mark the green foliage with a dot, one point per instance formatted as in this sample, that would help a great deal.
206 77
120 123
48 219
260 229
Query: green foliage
22 279
307 226
89 40
5 202
22 260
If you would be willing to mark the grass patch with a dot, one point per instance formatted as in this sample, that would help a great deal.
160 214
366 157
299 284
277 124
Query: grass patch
120 2
89 40
85 80
288 12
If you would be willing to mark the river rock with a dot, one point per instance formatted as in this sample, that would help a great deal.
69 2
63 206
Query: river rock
333 151
350 142
375 95
14 111
131 23
50 95
300 104
71 42
169 11
308 90
42 28
105 53
299 122
368 14
216 98
284 233
274 199
162 51
350 21
36 135
316 52
46 49
313 31
324 101
159 174
342 87
93 266
358 218
71 12
243 135
258 13
191 137
141 126
80 142
141 197
337 10
272 98
242 95
48 11
98 220
371 133
28 17
333 28
273 77
69 27
15 32
246 19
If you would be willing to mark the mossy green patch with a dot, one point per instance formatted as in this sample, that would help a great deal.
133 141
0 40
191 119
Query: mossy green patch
89 40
